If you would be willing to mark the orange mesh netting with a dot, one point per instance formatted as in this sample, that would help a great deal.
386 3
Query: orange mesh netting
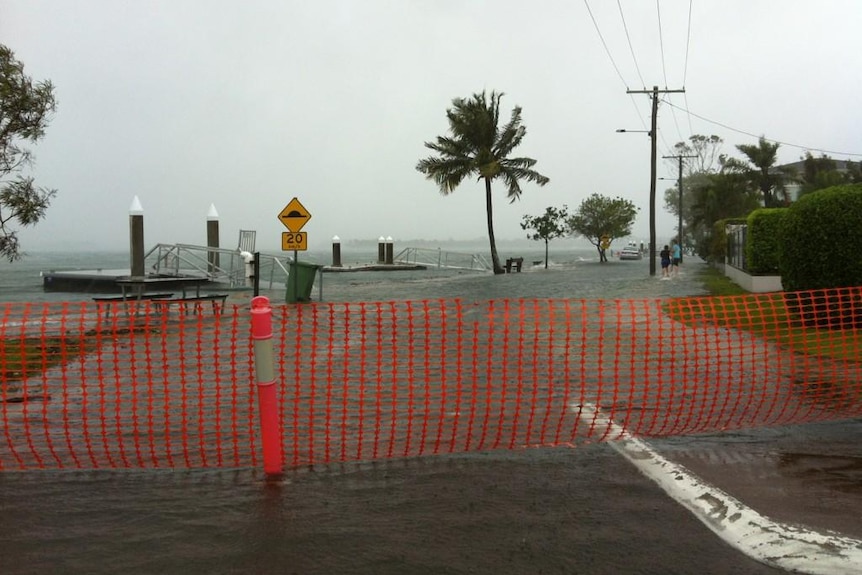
116 385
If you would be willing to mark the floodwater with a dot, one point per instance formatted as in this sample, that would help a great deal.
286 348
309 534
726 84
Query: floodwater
582 510
809 474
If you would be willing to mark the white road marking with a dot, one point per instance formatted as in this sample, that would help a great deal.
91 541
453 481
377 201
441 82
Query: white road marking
792 547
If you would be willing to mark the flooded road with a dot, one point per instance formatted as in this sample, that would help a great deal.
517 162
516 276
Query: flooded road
806 474
581 510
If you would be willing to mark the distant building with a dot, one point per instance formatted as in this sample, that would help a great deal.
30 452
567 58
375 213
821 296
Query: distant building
798 168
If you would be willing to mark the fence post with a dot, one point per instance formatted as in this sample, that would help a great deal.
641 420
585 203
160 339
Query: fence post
264 368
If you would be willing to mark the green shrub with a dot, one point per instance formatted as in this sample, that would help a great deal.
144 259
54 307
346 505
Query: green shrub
820 238
821 235
763 241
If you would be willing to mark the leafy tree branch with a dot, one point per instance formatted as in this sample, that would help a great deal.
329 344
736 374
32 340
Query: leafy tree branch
25 109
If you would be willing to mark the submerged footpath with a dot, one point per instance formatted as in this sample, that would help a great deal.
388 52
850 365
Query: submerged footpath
574 280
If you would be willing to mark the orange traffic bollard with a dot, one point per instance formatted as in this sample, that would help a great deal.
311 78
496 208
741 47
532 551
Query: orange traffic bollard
261 333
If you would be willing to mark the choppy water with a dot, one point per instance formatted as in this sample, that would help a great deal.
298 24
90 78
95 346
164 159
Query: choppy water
564 511
22 280
571 273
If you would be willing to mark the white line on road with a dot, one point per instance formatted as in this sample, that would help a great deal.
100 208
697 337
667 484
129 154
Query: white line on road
791 547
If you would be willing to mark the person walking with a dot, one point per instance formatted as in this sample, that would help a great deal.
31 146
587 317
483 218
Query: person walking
676 257
664 254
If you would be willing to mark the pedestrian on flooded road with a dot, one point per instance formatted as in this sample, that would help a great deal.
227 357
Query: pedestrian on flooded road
664 254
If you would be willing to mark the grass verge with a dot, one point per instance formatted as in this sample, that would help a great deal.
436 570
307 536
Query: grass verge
765 315
22 358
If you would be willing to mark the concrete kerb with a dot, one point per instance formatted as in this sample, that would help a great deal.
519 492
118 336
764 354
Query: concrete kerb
791 547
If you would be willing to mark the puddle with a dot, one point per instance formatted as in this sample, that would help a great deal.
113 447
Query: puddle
841 473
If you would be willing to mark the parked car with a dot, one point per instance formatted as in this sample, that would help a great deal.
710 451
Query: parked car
630 252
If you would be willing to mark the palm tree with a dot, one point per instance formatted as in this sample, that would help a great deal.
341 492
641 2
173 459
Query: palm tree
478 147
721 196
767 178
727 194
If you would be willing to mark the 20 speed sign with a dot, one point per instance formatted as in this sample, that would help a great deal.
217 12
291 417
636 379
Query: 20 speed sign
297 241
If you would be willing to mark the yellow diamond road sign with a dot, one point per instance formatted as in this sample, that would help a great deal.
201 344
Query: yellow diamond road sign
294 215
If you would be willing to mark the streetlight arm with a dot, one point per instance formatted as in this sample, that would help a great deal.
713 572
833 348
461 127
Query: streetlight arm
623 131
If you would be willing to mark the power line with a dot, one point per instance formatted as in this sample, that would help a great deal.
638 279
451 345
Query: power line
660 132
676 122
653 141
661 43
664 68
602 38
737 130
688 114
685 67
637 66
638 110
687 43
631 48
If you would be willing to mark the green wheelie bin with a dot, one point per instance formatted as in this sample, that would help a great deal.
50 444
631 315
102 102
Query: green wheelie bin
300 281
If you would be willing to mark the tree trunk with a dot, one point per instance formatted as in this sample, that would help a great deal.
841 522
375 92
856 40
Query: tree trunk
495 259
546 254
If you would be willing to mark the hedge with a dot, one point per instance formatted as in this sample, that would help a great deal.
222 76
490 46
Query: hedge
821 240
820 250
763 240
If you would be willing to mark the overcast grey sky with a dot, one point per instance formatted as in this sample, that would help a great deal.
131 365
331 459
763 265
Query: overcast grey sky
245 105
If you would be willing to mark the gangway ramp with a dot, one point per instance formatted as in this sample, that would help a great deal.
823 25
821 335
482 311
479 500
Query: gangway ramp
440 258
229 268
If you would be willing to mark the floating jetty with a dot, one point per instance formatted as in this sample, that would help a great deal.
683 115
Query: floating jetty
86 281
374 268
233 269
110 281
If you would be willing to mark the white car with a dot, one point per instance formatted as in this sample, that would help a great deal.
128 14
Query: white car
630 252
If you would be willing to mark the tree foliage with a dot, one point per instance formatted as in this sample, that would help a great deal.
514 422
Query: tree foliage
599 216
707 152
478 147
547 227
820 173
759 168
689 186
25 108
696 170
720 196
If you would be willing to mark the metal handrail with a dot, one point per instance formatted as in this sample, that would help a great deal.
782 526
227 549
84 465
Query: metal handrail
187 259
229 266
443 259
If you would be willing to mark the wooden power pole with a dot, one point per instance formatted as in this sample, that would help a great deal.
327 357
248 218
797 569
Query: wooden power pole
653 155
680 157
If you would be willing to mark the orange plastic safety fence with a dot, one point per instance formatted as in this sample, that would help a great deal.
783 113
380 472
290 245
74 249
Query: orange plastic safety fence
131 386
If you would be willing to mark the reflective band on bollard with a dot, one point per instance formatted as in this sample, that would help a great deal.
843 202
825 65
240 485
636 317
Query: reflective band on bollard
261 333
